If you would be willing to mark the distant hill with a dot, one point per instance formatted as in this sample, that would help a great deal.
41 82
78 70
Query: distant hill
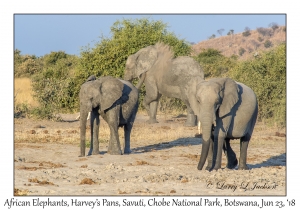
245 45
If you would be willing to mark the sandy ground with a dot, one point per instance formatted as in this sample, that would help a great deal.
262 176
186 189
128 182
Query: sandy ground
163 161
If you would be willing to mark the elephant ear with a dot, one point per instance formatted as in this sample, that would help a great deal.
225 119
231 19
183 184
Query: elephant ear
230 96
110 91
145 59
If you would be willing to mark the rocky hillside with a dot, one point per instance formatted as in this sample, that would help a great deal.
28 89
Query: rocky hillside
247 44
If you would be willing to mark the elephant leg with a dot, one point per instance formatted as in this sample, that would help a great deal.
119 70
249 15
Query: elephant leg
230 155
127 131
153 112
191 120
210 154
114 147
244 142
150 101
218 146
95 124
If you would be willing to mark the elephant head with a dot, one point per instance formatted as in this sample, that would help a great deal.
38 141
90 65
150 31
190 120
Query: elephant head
151 57
216 98
140 62
99 94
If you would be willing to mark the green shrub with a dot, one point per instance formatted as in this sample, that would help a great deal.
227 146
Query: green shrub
25 65
53 57
214 63
53 85
266 75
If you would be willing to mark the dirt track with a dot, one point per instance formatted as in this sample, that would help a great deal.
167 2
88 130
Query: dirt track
163 162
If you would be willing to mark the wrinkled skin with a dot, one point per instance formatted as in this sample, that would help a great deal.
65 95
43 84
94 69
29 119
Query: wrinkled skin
117 103
163 74
227 110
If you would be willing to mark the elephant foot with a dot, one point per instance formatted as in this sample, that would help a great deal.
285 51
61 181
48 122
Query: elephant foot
93 152
244 167
115 152
127 151
232 165
190 121
152 121
208 168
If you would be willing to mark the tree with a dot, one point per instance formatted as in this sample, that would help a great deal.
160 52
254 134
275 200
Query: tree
230 32
274 26
246 31
263 31
212 36
220 31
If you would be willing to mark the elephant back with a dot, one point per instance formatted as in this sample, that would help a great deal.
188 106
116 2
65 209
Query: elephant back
183 68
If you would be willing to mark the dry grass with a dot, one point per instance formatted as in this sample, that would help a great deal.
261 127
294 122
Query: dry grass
23 91
87 181
18 192
230 45
142 135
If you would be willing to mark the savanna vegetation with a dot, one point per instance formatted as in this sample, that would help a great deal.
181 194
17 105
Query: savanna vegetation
56 77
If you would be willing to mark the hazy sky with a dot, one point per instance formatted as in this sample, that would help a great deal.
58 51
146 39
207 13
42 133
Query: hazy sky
41 34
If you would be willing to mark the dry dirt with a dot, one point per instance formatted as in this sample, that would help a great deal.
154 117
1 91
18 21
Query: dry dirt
163 161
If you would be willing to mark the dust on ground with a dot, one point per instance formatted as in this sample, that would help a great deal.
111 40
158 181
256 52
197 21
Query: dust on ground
163 161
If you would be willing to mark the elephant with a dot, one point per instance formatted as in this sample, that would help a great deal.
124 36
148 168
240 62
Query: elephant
227 110
116 101
163 75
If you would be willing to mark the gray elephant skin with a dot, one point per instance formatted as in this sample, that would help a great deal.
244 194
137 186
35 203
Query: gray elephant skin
227 110
116 101
163 74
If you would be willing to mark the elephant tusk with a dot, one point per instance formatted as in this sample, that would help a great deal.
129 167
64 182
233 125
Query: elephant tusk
88 117
199 127
215 124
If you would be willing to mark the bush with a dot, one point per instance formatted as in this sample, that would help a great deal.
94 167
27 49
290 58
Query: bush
264 31
241 51
25 65
268 44
274 26
266 75
53 57
53 85
246 32
214 63
212 36
260 39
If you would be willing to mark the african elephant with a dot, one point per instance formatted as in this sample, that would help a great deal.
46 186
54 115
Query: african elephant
227 110
163 75
117 102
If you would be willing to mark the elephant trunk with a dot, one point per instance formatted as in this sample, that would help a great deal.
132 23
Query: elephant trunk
206 124
83 119
141 81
